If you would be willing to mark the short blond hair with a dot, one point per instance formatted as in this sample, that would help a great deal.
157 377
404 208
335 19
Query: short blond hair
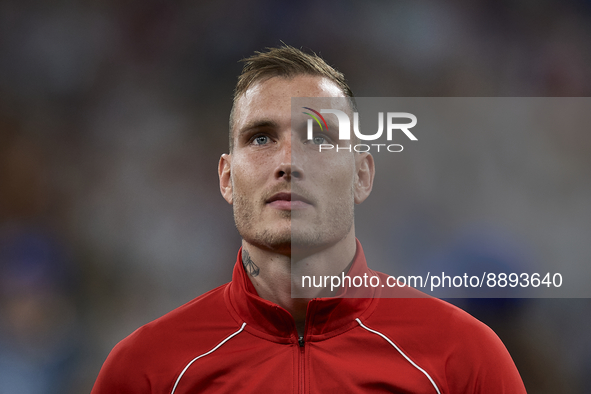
287 62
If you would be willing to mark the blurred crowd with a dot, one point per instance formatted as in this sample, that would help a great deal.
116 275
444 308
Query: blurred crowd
113 115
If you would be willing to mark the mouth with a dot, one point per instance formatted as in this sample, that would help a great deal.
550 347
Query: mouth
288 201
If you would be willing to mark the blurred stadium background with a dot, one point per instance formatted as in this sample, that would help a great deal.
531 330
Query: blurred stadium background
113 115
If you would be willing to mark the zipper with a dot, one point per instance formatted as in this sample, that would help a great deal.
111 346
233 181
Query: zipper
301 367
302 347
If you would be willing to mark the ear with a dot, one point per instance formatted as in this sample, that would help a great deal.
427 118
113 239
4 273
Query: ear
225 176
365 168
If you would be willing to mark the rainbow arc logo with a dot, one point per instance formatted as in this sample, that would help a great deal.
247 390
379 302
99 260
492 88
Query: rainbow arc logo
316 117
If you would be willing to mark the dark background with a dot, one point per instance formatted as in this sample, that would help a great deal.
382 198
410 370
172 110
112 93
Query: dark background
113 115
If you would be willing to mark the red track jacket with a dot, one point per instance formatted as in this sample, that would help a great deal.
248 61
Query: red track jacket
229 340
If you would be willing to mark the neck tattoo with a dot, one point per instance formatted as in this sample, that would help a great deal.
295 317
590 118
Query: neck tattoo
249 265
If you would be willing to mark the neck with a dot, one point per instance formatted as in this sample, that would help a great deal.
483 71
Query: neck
278 277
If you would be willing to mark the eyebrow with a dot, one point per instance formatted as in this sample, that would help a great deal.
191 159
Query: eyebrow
332 124
258 124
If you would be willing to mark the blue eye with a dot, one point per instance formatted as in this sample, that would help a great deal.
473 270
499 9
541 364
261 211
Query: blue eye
318 140
261 140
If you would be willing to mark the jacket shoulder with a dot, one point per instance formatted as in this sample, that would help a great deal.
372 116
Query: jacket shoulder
158 348
464 353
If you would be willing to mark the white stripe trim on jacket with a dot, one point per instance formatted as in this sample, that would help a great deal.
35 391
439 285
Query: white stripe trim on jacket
205 354
401 352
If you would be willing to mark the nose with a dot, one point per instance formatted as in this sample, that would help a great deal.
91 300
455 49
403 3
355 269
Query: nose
288 167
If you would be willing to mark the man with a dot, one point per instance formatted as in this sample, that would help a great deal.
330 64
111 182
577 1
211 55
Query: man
293 207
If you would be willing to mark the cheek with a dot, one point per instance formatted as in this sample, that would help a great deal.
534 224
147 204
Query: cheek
334 175
241 184
247 176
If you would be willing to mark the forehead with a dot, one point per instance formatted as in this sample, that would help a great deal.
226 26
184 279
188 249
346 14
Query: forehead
271 98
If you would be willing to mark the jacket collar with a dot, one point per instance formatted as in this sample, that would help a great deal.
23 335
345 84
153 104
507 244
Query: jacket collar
325 316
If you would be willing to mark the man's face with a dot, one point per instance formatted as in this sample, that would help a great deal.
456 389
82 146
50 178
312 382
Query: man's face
286 194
